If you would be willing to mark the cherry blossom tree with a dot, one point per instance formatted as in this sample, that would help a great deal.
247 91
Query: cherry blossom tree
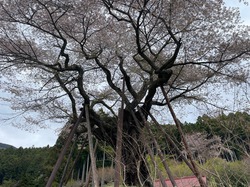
60 56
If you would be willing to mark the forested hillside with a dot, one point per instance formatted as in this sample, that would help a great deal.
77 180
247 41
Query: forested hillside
225 136
25 167
220 145
5 146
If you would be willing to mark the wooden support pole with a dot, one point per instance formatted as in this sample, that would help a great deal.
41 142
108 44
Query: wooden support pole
118 157
178 125
170 175
63 151
91 148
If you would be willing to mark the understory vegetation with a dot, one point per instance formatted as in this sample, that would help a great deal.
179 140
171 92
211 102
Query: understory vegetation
220 146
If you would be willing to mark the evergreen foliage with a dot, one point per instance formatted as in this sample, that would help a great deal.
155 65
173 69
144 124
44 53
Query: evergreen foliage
24 167
30 167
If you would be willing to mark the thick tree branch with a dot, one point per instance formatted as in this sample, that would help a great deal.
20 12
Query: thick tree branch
110 82
127 79
73 102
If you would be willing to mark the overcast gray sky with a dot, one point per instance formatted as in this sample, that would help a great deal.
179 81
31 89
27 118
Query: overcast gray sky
19 137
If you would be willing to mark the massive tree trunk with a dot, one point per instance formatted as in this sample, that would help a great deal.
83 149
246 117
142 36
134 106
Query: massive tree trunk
134 167
135 170
133 150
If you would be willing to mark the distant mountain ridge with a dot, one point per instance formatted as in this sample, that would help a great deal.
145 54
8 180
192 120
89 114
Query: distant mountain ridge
5 146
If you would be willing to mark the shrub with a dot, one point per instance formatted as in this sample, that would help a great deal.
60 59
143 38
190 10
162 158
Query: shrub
224 174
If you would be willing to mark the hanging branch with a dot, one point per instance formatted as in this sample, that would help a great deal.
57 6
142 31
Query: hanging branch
169 139
159 173
103 166
75 161
178 125
138 125
170 175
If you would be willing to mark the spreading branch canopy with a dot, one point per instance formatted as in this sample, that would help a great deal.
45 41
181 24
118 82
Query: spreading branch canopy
55 55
